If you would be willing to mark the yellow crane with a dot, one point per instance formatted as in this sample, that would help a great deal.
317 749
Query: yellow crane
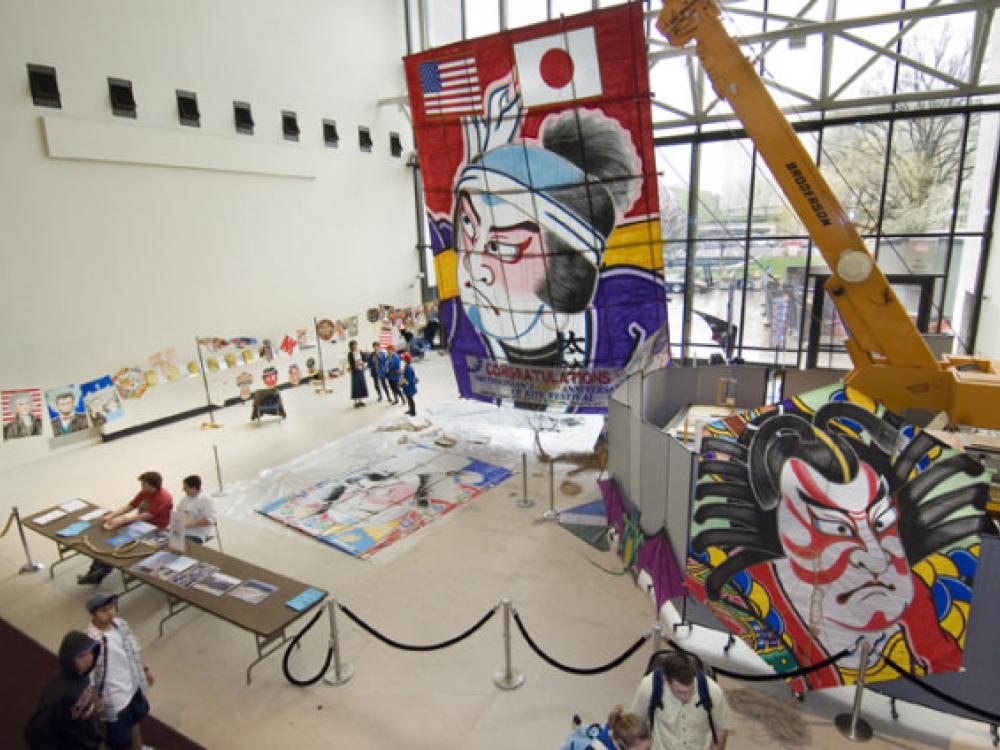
892 362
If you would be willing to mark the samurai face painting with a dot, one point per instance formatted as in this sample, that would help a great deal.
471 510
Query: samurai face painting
531 226
810 527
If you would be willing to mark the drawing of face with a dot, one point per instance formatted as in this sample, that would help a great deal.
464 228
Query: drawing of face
23 406
842 540
65 405
501 270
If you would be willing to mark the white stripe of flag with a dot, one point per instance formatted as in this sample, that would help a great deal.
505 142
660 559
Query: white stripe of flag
450 87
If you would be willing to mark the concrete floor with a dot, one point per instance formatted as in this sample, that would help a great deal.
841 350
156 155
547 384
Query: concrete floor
426 588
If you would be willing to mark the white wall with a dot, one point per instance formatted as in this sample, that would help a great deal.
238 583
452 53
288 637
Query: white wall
104 263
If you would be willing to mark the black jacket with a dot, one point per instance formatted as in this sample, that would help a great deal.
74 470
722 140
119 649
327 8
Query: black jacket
66 717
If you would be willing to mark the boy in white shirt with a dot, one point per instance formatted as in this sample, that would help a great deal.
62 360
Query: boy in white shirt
198 510
119 676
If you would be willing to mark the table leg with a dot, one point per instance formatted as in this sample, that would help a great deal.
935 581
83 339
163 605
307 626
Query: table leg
262 642
65 553
175 607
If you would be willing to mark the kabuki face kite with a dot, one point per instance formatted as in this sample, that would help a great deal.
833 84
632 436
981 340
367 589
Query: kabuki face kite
531 228
841 540
540 185
820 524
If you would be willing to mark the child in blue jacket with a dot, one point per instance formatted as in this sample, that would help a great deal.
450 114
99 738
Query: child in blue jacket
408 384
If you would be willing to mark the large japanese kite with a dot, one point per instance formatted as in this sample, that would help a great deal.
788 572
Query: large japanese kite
536 153
826 521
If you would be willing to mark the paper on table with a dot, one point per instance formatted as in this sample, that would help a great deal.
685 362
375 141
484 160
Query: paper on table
52 515
91 515
70 505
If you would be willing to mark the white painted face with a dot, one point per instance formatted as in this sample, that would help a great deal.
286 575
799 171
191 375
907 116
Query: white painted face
843 541
501 267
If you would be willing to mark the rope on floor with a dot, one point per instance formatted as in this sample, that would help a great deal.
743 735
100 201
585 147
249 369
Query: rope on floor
291 647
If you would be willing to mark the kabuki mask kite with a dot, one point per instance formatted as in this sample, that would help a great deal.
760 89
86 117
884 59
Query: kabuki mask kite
820 524
543 207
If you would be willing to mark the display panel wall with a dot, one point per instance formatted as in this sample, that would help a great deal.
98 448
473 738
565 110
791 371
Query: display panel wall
124 237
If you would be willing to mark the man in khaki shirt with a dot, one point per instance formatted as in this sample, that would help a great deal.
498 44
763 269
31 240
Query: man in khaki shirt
682 724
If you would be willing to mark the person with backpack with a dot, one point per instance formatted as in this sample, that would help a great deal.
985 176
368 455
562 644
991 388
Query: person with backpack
686 708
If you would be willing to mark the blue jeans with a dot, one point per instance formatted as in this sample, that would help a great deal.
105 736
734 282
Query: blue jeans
119 731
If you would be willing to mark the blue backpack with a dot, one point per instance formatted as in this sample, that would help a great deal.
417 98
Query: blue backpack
581 737
704 697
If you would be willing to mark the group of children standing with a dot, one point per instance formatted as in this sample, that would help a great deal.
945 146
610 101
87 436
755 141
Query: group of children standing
391 372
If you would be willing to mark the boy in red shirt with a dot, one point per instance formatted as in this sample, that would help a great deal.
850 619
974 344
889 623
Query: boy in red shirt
152 504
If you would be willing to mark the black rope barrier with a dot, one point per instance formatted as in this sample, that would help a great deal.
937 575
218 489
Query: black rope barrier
991 717
574 670
408 647
800 672
291 647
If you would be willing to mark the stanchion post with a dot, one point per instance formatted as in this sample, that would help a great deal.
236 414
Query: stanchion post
852 725
218 472
551 514
211 423
30 566
657 637
525 501
341 672
507 678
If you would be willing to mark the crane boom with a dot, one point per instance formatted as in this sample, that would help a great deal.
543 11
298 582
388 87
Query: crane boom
892 362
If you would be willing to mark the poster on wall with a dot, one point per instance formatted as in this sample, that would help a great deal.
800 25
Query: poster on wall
66 410
825 521
537 161
22 413
101 400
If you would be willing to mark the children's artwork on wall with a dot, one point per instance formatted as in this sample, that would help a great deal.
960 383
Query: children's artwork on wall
302 338
230 358
66 410
352 326
171 372
164 361
244 382
212 364
130 382
192 369
325 329
311 369
540 184
101 400
288 345
248 356
825 521
294 374
22 413
270 376
152 378
266 350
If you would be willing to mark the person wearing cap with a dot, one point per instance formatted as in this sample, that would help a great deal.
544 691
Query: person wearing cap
152 504
408 383
68 713
120 677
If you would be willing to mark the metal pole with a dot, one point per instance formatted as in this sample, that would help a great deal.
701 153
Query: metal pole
524 502
551 514
208 396
218 471
341 672
508 678
657 637
30 566
851 725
